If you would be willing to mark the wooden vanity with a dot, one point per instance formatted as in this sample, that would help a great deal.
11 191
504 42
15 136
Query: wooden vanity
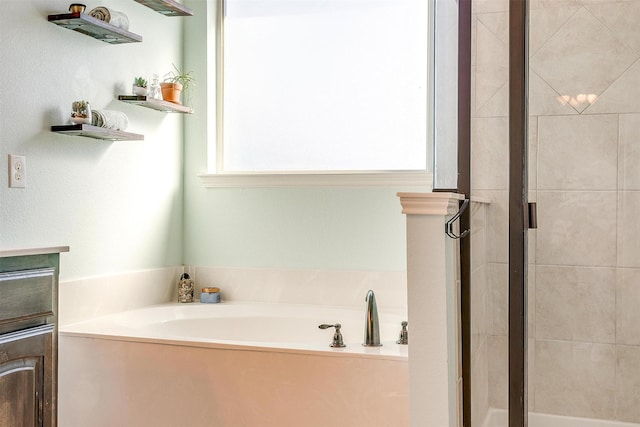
28 336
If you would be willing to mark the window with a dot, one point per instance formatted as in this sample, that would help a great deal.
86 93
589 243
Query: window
325 86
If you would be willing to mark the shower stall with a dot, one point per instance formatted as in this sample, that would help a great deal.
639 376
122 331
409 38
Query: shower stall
576 309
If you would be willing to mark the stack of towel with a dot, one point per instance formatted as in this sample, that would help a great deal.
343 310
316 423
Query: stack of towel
109 119
113 17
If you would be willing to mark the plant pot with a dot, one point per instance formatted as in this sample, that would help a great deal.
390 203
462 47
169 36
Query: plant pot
137 90
171 92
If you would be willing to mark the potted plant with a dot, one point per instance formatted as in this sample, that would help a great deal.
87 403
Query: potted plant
139 86
175 82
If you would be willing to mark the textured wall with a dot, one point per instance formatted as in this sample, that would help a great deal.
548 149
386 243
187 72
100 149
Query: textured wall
118 205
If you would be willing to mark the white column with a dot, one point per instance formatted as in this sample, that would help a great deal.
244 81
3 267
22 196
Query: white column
433 307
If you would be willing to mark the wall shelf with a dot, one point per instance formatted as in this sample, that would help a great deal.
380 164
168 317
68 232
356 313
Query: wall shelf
92 27
167 7
155 104
96 132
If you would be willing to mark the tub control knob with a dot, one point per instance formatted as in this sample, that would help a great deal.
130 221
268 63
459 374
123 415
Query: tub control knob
404 334
337 336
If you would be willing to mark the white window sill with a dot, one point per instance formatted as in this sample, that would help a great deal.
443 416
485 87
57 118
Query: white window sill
375 179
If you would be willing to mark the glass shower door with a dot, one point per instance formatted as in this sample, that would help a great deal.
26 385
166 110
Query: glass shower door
499 268
583 265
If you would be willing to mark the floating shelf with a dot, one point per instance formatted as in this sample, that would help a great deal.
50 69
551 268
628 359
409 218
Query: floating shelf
96 132
92 27
155 104
167 7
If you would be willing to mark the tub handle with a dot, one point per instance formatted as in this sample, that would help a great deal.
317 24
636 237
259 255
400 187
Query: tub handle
337 336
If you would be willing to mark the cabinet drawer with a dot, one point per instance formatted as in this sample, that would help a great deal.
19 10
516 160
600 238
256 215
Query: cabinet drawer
26 297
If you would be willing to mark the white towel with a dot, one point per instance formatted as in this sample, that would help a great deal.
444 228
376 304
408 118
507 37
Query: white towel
109 119
113 17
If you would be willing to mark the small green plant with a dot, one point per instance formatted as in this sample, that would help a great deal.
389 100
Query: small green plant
184 78
140 82
179 76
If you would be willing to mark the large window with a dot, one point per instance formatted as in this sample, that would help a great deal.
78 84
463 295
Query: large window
325 86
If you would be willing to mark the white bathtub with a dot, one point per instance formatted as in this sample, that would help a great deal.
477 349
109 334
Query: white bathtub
231 364
499 418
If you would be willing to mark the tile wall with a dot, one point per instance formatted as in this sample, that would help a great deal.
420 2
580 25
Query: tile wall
584 145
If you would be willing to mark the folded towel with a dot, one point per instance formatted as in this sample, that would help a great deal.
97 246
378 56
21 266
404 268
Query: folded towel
113 17
109 119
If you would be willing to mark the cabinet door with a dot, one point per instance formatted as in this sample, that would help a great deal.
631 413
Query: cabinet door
20 391
25 379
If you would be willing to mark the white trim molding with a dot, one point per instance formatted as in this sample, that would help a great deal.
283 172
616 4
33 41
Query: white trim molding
355 179
430 203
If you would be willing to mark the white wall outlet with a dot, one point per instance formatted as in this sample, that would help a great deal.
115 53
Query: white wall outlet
17 171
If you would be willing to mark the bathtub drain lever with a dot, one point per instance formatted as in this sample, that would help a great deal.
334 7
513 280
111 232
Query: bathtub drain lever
337 336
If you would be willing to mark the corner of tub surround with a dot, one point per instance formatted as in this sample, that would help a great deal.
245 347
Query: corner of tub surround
334 288
87 298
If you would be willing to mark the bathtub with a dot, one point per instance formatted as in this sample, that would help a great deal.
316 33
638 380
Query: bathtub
499 418
231 364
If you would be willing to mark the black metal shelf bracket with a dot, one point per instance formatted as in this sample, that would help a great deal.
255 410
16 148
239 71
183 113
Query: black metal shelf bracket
448 226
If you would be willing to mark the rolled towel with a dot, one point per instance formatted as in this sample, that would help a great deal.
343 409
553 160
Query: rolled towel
109 119
113 17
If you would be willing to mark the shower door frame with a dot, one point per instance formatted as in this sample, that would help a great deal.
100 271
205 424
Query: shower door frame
519 210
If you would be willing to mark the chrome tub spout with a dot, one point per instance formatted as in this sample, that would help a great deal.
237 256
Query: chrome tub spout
371 325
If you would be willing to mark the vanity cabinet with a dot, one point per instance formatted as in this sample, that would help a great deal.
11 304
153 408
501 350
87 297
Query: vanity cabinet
28 338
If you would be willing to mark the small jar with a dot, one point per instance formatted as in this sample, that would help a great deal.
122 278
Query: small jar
80 112
210 295
185 288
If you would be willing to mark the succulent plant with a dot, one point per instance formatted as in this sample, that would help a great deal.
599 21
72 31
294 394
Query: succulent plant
140 82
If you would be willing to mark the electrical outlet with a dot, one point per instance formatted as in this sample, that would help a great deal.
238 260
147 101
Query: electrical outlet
17 171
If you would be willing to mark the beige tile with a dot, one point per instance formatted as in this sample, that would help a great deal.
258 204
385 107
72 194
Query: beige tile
492 64
629 158
621 18
628 384
497 351
531 300
569 147
497 23
623 96
583 57
489 153
628 301
576 228
576 303
532 156
552 4
628 229
478 234
498 299
478 309
531 369
544 100
479 386
498 228
575 379
497 105
489 6
546 21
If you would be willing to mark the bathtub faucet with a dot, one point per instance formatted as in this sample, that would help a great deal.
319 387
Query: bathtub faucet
371 324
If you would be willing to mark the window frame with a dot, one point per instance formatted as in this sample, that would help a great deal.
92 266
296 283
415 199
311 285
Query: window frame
217 177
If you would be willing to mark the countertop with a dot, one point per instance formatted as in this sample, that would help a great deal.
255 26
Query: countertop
32 251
